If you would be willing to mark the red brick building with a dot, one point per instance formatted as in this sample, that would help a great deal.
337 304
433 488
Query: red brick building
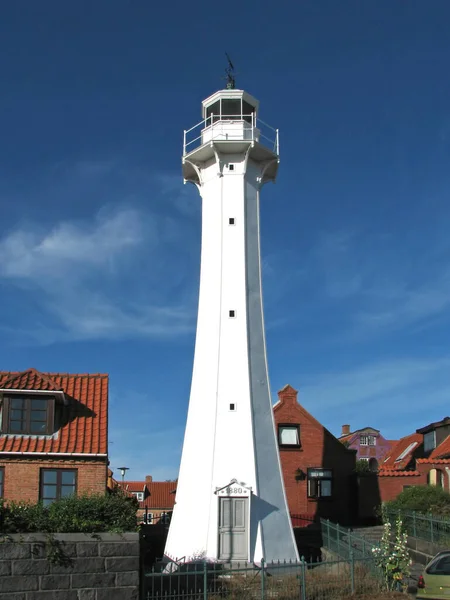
318 471
53 435
156 499
422 458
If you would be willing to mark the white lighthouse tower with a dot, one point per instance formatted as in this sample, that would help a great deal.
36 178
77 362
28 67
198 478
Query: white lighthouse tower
230 501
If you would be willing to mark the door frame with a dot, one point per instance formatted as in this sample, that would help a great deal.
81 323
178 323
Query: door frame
235 489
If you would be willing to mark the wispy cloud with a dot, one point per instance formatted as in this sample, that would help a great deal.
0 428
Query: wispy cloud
34 253
96 276
374 286
394 393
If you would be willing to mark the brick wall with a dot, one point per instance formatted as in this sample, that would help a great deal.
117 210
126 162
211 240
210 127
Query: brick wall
22 476
102 568
391 487
319 449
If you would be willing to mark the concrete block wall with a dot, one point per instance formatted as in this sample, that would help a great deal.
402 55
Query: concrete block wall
91 567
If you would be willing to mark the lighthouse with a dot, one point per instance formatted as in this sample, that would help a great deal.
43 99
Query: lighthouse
230 501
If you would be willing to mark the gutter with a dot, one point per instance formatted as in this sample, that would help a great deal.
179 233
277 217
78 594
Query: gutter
67 454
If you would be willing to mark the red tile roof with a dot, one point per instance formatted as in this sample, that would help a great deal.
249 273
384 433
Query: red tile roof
433 461
394 473
442 450
392 462
135 486
85 431
162 493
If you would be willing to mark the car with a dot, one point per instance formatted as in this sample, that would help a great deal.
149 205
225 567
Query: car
434 583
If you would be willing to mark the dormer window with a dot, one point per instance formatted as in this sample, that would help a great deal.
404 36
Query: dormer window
27 415
429 441
367 440
139 496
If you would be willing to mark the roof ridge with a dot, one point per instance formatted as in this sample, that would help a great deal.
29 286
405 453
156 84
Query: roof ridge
36 373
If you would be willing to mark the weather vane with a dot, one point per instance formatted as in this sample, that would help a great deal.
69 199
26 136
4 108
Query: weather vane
231 81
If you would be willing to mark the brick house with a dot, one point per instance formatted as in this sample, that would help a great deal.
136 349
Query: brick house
53 435
369 444
418 459
156 499
318 471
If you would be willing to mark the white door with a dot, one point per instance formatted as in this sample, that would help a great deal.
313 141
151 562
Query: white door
233 524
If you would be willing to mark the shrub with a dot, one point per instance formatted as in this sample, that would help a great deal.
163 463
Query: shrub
114 512
422 499
362 466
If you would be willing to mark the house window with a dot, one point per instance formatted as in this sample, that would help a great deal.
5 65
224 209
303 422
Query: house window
429 441
320 483
367 440
148 518
2 481
31 415
232 406
232 313
164 518
57 484
289 435
231 221
231 167
139 496
406 451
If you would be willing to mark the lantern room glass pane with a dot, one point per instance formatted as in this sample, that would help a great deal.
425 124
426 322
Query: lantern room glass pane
247 110
231 109
214 109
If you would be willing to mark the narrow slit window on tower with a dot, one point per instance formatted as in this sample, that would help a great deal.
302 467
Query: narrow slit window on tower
232 313
231 221
231 167
232 406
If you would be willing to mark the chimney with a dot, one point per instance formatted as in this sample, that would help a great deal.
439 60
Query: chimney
148 479
288 393
345 430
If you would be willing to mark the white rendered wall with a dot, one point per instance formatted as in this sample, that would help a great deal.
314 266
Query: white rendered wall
230 368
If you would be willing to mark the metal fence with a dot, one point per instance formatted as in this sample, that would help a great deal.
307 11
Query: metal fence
198 580
426 527
344 542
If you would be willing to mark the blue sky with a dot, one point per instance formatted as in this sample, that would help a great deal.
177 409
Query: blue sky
100 243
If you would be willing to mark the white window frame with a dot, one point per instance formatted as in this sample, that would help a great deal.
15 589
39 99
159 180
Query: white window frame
139 496
367 439
148 519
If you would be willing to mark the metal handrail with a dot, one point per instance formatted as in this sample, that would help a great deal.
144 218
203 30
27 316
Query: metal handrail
254 125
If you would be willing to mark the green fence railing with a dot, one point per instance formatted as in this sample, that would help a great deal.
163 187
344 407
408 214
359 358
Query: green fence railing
426 527
345 542
291 581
